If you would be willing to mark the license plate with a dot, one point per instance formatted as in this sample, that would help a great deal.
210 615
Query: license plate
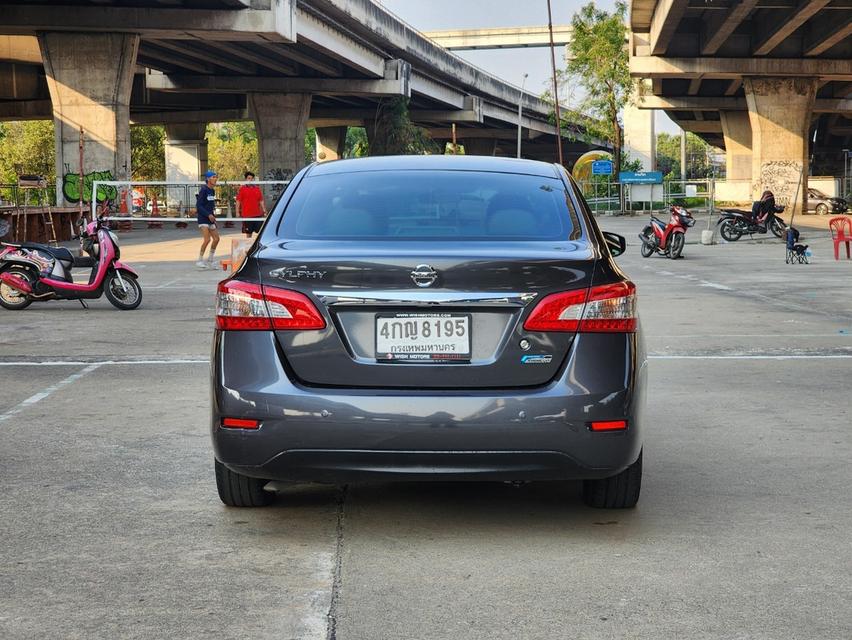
423 337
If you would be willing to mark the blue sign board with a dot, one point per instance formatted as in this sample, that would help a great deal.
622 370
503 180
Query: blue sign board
640 177
602 168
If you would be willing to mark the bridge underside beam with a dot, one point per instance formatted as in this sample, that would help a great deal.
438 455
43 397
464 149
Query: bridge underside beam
500 38
688 103
276 24
735 68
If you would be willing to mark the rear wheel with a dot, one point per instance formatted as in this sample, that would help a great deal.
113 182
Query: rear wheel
620 491
125 297
822 209
237 490
13 299
676 246
647 248
729 231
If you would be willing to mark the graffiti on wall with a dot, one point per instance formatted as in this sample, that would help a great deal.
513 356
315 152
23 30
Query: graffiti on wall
278 174
71 186
781 177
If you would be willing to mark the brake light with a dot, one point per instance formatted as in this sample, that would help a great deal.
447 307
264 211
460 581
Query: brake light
608 425
245 306
608 308
240 423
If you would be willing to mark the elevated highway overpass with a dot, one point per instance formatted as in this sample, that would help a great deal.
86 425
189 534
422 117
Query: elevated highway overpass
285 64
768 80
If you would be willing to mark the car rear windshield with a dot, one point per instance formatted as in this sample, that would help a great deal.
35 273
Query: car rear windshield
418 205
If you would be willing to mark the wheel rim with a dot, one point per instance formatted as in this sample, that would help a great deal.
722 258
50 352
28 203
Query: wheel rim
10 295
125 297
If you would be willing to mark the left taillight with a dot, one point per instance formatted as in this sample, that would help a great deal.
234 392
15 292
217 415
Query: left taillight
608 308
246 306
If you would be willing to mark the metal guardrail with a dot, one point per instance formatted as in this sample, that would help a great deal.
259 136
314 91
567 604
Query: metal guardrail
174 200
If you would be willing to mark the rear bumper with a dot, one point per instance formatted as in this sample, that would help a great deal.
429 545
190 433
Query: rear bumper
333 435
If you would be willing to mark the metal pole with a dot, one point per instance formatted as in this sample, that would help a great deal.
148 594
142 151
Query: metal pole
683 155
521 111
455 147
555 84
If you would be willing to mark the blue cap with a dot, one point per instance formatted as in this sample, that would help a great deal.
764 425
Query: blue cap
209 174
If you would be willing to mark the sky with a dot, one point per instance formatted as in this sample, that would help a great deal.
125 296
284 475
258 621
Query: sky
508 64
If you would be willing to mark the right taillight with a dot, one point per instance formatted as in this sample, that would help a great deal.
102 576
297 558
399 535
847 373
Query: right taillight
245 306
608 308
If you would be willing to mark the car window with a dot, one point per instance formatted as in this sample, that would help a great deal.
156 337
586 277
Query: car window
416 205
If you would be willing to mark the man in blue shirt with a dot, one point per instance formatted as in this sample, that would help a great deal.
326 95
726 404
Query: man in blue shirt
205 206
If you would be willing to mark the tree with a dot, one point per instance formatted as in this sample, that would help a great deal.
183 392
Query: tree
147 152
698 165
232 149
598 66
27 147
394 133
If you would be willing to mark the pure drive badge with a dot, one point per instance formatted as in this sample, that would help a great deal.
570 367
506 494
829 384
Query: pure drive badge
537 359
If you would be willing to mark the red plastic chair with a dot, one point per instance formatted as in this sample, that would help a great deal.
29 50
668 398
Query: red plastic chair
841 232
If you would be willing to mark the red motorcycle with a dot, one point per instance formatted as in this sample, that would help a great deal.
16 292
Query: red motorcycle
667 239
31 271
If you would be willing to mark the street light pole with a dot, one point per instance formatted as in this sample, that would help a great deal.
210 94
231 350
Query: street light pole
521 111
555 84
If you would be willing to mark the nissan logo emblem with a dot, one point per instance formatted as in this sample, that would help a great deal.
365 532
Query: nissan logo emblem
424 275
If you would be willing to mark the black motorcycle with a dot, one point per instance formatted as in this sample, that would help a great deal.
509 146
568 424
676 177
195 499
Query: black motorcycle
735 223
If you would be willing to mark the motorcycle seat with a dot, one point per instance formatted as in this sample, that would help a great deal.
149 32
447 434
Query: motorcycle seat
58 253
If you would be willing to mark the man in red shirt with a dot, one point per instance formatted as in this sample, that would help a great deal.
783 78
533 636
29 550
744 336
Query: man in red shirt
250 204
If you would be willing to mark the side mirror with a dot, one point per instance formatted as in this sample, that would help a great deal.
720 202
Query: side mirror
617 244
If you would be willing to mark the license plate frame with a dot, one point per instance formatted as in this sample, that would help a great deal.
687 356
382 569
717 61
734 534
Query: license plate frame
428 356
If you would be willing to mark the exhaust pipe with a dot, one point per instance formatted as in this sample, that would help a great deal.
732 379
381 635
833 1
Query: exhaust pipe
16 282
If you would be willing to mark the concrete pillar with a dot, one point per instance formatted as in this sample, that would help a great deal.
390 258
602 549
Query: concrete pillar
736 128
186 160
479 146
640 137
89 77
780 114
331 142
281 121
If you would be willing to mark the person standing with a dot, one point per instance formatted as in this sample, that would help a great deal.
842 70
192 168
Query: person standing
250 204
205 206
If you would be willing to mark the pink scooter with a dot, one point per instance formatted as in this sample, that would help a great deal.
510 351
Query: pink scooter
31 271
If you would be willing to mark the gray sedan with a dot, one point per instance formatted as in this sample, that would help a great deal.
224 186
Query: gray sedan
429 318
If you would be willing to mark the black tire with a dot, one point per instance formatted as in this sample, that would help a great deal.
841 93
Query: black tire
822 208
620 491
729 230
676 245
237 490
647 250
14 300
126 301
777 227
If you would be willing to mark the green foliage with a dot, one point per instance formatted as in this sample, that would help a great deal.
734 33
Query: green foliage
356 143
310 146
697 156
147 152
27 147
394 134
232 149
598 66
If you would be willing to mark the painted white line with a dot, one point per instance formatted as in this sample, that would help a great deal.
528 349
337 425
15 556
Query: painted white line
98 363
754 357
713 285
41 395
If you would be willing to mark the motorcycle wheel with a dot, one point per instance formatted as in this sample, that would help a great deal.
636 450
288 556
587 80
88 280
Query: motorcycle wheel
729 231
676 245
647 249
778 228
121 299
12 299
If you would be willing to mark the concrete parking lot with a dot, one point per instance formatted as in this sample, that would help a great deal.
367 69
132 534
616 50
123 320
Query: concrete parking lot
111 527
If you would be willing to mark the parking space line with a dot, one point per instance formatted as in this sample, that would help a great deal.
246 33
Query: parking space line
41 395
